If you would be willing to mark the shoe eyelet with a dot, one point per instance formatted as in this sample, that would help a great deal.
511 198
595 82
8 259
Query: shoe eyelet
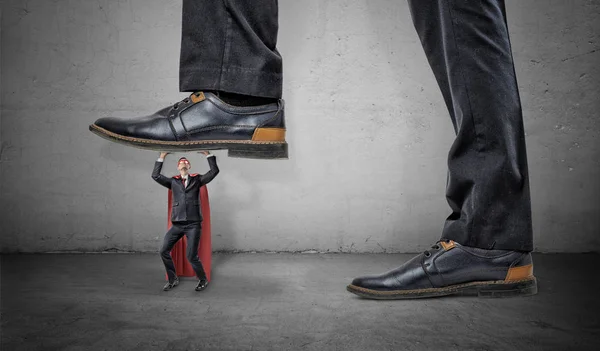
427 254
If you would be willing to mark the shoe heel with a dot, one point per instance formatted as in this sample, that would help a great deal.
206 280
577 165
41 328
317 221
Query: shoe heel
521 288
260 151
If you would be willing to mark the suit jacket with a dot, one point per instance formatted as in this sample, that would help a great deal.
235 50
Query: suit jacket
186 202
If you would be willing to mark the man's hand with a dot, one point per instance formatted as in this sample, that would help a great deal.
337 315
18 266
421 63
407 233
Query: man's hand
205 153
163 154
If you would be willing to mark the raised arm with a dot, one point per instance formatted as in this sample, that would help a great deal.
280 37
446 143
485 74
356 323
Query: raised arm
214 169
159 178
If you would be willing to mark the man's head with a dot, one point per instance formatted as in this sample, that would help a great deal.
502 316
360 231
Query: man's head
183 165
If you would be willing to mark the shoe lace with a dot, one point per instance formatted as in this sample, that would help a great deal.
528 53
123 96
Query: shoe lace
186 100
436 247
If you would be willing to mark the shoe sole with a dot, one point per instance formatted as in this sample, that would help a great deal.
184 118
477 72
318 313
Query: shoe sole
204 288
235 148
498 288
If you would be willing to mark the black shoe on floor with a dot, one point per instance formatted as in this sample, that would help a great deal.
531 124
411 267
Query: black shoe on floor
170 286
202 284
203 122
450 268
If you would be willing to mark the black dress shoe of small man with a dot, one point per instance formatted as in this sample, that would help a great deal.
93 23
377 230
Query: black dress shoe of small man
449 268
202 284
170 286
203 122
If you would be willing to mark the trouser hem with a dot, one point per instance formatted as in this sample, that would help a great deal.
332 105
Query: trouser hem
232 80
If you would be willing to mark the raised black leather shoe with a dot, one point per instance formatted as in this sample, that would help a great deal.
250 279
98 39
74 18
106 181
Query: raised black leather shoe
203 122
450 268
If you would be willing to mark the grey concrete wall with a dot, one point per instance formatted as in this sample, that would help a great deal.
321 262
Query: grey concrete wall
368 130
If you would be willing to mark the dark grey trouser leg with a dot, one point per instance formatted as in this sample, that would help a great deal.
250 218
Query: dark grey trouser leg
468 48
174 234
230 45
193 232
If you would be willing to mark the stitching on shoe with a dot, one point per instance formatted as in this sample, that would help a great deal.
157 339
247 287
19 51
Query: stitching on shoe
235 110
426 272
172 127
187 132
444 289
229 125
481 256
198 142
238 110
220 127
272 118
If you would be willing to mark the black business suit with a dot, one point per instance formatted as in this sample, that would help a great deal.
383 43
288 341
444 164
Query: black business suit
231 46
186 215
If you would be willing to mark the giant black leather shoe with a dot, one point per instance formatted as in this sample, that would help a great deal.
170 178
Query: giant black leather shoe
450 268
203 122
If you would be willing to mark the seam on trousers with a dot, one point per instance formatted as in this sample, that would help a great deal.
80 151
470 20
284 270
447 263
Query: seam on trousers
463 75
226 42
471 224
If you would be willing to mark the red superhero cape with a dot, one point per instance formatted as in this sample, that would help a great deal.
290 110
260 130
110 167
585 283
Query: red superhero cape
182 267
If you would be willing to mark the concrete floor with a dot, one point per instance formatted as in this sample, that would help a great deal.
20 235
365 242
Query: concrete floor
281 302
